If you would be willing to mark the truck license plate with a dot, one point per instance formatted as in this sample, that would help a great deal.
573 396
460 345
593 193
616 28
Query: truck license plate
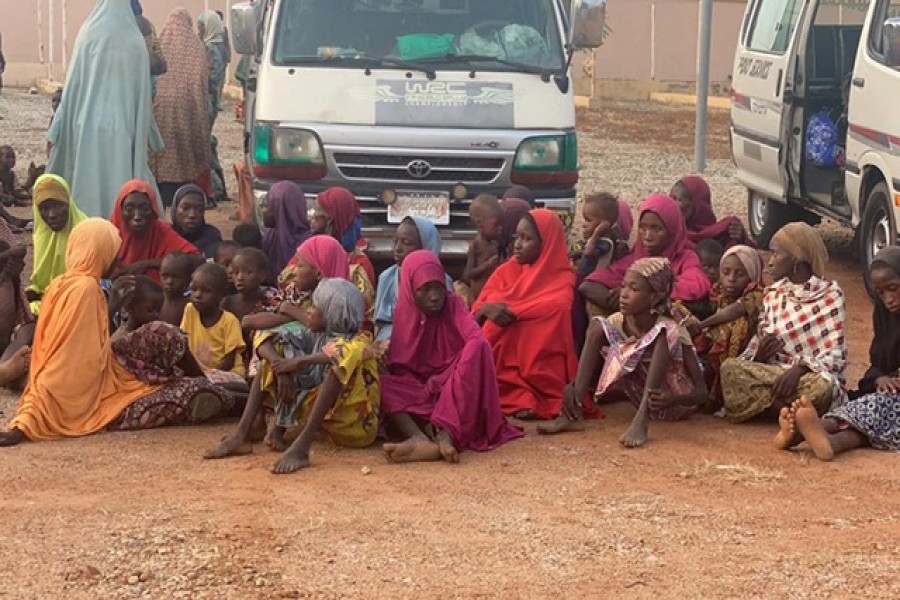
434 207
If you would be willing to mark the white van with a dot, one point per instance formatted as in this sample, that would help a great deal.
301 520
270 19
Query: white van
416 106
815 120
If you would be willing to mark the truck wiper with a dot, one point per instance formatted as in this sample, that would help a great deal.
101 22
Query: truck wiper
470 58
382 61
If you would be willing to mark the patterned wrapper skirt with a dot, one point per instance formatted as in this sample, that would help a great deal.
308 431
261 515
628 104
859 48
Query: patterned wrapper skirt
876 416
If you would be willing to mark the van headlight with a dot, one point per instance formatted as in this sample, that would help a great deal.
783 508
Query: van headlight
547 153
286 146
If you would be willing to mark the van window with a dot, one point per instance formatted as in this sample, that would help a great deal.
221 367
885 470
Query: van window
773 25
348 32
889 9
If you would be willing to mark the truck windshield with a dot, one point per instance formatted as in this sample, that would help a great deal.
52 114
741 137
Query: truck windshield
495 35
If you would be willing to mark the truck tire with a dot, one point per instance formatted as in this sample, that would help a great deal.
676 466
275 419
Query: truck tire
877 228
767 216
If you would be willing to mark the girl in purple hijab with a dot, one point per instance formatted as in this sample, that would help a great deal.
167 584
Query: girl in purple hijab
440 389
288 223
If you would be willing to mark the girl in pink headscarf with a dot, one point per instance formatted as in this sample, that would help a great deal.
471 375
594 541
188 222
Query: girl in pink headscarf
694 198
661 233
440 389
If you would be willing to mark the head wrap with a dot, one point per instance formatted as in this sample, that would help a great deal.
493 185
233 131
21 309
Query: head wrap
49 245
287 204
658 273
701 197
326 256
804 244
207 237
213 29
341 207
750 260
342 306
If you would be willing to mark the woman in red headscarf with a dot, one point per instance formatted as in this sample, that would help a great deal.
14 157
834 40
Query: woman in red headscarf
337 214
440 373
146 238
525 310
662 233
694 198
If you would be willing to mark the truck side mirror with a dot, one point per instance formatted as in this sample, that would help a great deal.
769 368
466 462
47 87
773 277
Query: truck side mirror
588 23
243 28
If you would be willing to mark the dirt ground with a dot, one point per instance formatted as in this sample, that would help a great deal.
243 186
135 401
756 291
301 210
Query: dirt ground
705 510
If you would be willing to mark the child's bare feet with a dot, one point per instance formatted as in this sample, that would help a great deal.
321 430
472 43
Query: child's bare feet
637 433
811 428
524 415
447 447
229 446
561 424
415 449
291 461
787 436
275 439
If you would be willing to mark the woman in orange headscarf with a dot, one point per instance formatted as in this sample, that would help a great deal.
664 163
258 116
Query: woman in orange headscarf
76 386
525 310
146 238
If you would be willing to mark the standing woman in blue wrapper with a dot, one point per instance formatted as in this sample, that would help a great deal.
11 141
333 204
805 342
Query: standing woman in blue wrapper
104 128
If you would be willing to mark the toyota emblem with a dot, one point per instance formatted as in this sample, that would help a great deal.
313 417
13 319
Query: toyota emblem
419 169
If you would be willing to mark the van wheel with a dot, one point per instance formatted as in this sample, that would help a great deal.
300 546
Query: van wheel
877 230
767 216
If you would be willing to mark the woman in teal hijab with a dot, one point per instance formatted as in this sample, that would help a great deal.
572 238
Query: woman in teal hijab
104 127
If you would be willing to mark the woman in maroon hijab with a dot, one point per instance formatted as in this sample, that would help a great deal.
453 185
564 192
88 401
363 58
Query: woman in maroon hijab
694 198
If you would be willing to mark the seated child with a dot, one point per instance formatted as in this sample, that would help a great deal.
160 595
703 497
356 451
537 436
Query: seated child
327 379
647 358
738 298
214 335
175 275
224 257
11 193
249 270
483 258
14 311
710 253
247 235
141 305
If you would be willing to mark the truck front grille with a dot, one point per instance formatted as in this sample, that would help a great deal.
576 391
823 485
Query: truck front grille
407 168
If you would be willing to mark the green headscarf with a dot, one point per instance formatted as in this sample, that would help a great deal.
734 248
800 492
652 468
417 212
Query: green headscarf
49 245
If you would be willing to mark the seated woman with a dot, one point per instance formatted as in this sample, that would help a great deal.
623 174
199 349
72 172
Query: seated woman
646 357
799 347
189 220
55 214
413 233
287 222
337 214
738 297
694 198
525 311
872 418
328 380
440 388
76 386
661 233
146 238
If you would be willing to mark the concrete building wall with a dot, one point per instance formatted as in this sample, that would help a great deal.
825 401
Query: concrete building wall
653 45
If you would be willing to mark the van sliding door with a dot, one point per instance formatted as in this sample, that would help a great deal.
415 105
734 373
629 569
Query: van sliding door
761 91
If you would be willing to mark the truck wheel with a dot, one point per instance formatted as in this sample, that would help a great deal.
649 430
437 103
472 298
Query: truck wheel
767 216
877 229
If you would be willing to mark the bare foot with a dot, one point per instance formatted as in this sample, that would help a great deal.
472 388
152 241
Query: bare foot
291 461
275 439
636 434
418 448
204 406
811 428
446 447
561 424
524 415
787 436
11 438
230 446
16 366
